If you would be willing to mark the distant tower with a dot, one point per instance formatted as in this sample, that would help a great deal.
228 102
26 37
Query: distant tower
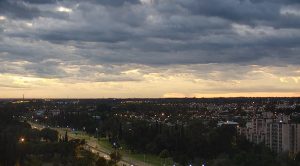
23 97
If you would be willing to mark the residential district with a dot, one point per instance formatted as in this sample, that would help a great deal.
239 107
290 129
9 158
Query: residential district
186 131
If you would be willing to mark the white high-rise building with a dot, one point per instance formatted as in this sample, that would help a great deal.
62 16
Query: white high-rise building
275 131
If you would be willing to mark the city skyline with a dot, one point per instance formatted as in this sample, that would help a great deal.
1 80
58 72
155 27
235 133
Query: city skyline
149 48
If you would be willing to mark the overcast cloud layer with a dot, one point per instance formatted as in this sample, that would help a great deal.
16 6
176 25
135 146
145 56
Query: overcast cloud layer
150 48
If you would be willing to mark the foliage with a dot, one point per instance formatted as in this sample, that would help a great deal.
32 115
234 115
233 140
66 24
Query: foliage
49 134
164 154
115 157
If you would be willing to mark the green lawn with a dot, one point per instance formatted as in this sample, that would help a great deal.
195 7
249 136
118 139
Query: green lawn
103 142
148 158
151 159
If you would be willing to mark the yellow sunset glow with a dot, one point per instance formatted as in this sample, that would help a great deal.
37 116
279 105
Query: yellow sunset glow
157 84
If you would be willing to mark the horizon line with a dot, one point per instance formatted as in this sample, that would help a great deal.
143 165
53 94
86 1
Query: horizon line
97 98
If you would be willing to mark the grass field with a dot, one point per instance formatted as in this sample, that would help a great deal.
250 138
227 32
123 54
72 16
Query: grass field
104 144
147 158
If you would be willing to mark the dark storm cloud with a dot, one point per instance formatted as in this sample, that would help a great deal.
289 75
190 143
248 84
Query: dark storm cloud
115 2
17 9
155 33
86 36
46 69
236 10
244 11
41 1
27 9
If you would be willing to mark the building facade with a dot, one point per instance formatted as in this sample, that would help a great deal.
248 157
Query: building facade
275 131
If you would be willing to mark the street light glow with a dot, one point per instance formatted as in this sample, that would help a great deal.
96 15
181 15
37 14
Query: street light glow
22 139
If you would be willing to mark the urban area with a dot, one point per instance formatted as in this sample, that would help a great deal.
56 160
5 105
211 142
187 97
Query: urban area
145 132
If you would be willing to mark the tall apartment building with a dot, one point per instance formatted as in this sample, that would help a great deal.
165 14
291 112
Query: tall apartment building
275 131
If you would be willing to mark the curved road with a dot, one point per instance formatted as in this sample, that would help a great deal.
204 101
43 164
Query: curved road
93 146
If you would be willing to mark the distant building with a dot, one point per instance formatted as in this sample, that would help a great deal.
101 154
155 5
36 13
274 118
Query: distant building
40 112
227 123
55 112
275 131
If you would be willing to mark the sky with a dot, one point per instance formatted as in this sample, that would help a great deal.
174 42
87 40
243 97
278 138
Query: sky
149 48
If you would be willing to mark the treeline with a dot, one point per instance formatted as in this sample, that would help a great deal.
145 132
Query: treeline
199 144
22 145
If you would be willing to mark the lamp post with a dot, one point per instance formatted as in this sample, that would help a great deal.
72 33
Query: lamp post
97 132
22 150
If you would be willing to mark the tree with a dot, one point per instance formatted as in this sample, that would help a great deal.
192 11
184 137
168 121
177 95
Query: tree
297 157
115 157
101 162
151 147
120 132
222 161
87 159
49 134
66 139
164 154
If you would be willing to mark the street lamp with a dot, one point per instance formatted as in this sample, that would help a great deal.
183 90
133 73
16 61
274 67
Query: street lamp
97 132
22 140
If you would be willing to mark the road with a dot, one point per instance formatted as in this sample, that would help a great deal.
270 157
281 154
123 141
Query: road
93 146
